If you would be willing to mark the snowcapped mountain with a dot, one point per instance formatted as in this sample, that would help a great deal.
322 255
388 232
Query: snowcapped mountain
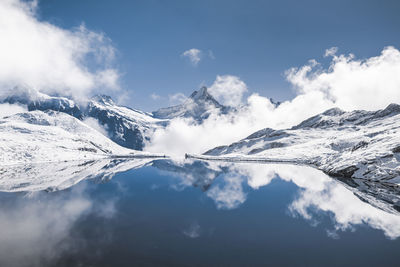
125 126
198 106
53 136
357 144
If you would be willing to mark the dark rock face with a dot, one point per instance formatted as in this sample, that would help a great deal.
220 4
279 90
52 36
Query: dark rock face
396 149
120 131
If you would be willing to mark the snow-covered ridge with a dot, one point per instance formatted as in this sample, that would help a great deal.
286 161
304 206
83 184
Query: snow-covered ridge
358 144
52 136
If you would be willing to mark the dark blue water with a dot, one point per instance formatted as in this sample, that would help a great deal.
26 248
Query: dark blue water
200 215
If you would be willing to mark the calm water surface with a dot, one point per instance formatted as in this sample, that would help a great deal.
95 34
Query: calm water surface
196 214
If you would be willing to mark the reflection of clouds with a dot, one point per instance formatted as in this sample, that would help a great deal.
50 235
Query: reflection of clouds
347 209
38 226
193 231
230 195
318 192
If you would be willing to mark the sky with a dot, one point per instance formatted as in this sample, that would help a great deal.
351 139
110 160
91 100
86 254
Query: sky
163 48
309 55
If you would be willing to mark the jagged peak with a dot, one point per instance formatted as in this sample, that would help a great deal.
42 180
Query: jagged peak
202 93
104 99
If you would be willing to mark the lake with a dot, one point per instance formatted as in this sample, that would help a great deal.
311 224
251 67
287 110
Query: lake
148 212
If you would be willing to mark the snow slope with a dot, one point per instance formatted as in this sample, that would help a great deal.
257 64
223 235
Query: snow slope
357 144
52 136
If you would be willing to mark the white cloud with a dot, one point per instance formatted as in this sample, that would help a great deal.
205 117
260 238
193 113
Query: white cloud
229 196
228 90
177 98
331 52
194 55
155 96
94 123
40 55
351 83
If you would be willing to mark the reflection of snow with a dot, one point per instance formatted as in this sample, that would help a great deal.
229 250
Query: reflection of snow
38 226
61 175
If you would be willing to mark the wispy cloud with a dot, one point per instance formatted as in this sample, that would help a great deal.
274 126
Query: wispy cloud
193 231
330 52
194 55
155 96
177 98
211 54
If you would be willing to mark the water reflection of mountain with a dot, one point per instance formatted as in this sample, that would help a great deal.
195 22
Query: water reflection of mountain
350 201
56 176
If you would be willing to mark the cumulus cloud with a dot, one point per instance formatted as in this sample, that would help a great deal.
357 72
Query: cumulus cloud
228 90
347 83
53 60
351 83
194 55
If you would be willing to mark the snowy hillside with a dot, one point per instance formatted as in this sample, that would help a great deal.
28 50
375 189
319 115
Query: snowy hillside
125 126
358 144
52 136
198 106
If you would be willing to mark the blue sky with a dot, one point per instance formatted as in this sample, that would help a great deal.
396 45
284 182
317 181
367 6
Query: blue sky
254 40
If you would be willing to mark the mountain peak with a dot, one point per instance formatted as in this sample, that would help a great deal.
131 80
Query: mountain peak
198 106
201 93
104 99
